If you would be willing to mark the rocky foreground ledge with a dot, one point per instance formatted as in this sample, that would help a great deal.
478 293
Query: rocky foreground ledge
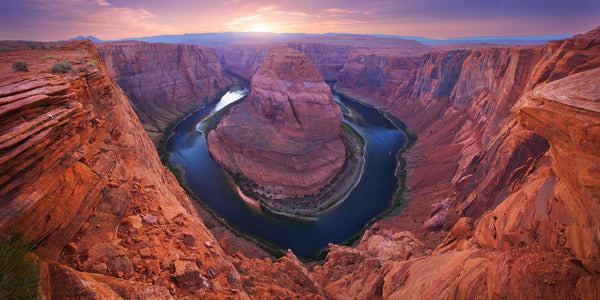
286 139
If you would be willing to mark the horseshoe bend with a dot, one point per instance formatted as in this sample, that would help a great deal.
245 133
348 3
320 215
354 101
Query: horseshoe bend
182 167
287 136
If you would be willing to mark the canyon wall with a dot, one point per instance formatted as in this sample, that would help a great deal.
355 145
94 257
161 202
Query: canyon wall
245 60
82 181
328 54
456 101
164 82
503 181
513 197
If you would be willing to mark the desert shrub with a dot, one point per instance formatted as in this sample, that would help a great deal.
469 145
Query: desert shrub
19 66
6 49
61 67
92 63
19 270
49 57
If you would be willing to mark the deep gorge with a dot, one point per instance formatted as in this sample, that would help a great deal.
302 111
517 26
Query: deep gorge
306 238
502 181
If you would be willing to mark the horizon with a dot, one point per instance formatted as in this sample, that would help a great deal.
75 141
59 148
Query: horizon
47 20
326 34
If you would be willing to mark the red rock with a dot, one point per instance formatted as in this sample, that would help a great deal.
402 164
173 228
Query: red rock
100 268
113 256
146 252
134 221
187 274
65 283
164 81
287 133
56 172
72 247
226 245
153 267
150 219
524 181
436 222
189 240
529 181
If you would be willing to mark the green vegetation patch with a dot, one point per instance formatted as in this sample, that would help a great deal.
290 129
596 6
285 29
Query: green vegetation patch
344 109
61 67
6 49
19 269
20 66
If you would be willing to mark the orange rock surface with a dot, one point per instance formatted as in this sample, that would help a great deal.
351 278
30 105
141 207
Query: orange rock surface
287 134
527 194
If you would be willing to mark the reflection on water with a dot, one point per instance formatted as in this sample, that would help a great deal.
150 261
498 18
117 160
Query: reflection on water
214 187
229 98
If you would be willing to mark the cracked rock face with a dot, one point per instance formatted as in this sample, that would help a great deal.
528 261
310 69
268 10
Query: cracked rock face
287 133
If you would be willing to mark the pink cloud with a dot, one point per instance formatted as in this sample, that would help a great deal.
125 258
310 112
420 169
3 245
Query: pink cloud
99 18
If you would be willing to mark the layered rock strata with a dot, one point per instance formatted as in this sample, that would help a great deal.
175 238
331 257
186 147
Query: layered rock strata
527 197
82 180
507 169
164 82
287 134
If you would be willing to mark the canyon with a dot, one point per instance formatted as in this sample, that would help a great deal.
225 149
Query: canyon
502 182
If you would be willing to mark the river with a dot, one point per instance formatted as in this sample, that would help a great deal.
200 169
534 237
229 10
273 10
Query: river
373 194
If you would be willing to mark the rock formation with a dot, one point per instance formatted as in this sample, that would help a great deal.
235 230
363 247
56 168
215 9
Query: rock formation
287 133
164 82
525 192
503 180
83 181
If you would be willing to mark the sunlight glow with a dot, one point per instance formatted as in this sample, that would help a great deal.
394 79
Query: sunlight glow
261 27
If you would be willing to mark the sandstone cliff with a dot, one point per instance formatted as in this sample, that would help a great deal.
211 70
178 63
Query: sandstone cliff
83 181
287 133
164 82
455 100
503 182
526 190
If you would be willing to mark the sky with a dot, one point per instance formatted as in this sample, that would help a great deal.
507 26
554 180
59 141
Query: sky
48 20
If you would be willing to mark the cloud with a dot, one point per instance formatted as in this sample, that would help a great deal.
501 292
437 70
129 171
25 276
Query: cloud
281 20
96 17
115 19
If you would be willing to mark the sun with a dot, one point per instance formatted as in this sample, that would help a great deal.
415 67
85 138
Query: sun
261 27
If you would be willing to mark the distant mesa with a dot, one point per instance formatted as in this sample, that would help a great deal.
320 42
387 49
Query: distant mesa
93 39
287 134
